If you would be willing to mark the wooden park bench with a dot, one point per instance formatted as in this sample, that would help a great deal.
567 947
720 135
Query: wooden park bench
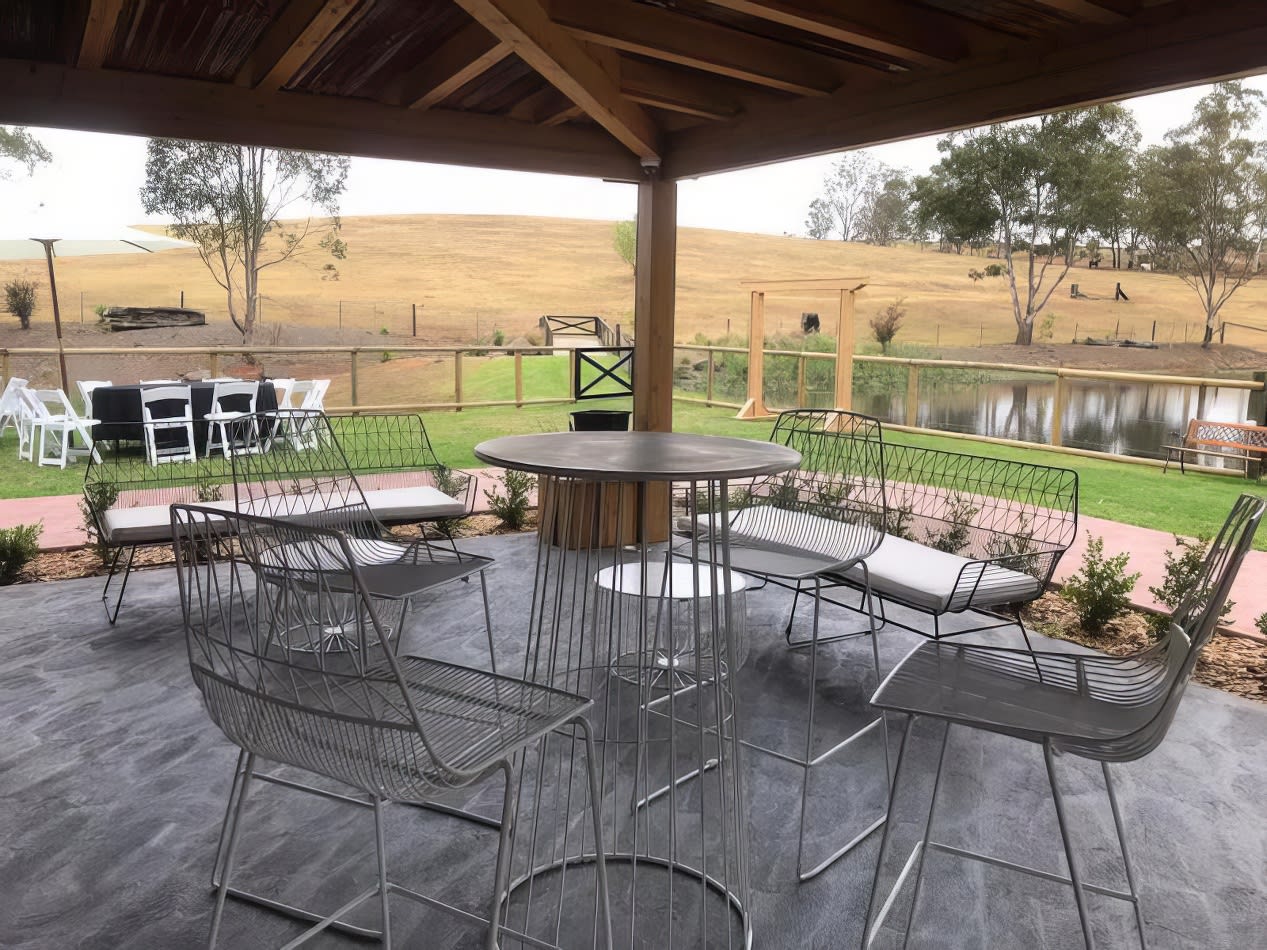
1226 440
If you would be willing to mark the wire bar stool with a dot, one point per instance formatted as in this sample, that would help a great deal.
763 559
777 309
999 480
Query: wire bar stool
390 728
1103 708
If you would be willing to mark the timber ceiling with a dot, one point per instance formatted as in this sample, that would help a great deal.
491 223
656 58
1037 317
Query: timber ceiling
597 87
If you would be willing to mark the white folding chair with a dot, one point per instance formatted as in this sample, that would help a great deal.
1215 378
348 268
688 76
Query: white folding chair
307 395
11 404
159 382
316 398
58 425
282 388
240 394
86 386
157 417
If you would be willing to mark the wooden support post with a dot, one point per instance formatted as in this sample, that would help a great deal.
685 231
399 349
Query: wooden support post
213 365
1058 411
802 397
754 407
1257 398
655 280
457 379
4 369
354 352
519 380
912 394
573 360
708 391
415 311
844 351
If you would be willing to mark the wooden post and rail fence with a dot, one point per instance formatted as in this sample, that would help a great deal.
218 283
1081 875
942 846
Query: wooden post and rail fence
1061 377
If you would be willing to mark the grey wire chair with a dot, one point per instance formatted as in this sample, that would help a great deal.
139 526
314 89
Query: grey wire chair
1104 708
255 594
316 486
795 529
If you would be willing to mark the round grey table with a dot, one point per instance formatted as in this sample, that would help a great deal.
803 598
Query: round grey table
673 808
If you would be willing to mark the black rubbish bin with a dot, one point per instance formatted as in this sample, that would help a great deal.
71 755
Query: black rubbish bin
600 420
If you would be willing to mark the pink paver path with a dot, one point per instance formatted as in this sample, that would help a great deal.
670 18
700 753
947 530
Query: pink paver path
62 529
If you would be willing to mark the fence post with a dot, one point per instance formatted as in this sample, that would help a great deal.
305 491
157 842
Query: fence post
355 351
457 379
519 380
213 363
802 400
1058 411
574 363
415 306
912 394
4 367
708 393
1257 399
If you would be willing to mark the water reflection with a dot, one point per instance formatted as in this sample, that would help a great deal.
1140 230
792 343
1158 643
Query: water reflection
1122 418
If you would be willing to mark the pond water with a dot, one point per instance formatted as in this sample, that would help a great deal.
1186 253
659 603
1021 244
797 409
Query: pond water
1122 418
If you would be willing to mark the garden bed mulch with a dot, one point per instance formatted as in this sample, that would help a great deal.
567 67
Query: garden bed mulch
1235 664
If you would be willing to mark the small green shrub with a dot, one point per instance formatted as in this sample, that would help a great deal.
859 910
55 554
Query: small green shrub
959 514
499 338
1180 576
383 331
995 270
1261 623
899 525
19 300
18 547
386 357
206 491
454 485
512 507
1013 550
1101 589
100 497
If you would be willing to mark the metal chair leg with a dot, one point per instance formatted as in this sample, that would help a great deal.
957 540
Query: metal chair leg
384 888
123 586
223 890
501 876
603 910
872 921
928 833
1126 857
1075 877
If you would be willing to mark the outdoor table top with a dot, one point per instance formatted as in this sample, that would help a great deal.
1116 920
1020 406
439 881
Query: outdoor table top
637 456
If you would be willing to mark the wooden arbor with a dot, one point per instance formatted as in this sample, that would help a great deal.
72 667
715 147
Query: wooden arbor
844 288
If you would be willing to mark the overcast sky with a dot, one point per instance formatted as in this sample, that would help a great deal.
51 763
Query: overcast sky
97 177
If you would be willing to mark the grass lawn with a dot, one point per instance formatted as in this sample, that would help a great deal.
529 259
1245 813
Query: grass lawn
1193 504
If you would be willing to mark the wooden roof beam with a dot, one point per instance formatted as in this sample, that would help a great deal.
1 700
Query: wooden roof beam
103 17
106 100
1161 48
677 90
672 37
290 41
466 55
563 62
925 37
1084 10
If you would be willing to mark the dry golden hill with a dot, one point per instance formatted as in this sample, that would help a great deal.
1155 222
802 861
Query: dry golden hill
469 274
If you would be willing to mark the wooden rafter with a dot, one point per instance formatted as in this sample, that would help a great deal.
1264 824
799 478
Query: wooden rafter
659 34
1164 48
103 16
466 55
677 90
1084 10
876 27
289 42
104 100
563 62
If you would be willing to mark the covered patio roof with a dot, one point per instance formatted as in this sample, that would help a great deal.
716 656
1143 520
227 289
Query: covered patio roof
646 91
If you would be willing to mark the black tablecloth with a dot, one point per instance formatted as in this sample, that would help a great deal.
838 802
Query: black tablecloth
117 409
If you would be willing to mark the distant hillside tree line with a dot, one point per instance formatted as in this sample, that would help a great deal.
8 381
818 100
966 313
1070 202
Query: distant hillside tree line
1040 192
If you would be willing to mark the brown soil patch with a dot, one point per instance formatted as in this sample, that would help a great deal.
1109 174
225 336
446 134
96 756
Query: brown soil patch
1235 664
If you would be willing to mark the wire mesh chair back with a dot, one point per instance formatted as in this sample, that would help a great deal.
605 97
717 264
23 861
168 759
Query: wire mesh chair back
1017 514
119 480
833 504
259 597
393 450
314 485
1158 676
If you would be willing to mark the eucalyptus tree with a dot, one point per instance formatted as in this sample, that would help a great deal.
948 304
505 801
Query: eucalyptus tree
20 146
1203 197
1038 181
230 200
951 209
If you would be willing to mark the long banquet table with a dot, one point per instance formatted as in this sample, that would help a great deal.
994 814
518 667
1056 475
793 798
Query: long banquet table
117 409
667 724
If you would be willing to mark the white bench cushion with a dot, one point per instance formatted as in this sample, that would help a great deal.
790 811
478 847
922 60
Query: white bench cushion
913 573
147 524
